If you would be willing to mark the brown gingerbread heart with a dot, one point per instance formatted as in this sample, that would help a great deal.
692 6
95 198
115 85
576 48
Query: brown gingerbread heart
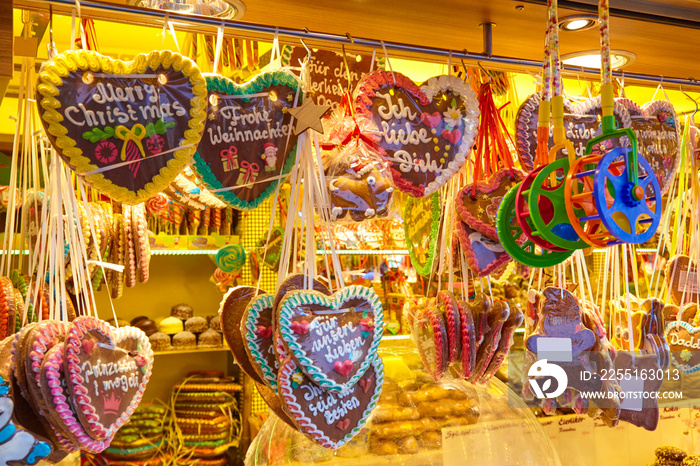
231 311
331 419
684 342
107 370
427 131
429 332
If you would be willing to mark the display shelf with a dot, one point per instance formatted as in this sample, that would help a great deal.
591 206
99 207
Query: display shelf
369 252
183 252
192 351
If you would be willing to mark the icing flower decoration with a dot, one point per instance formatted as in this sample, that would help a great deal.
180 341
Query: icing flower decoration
106 151
140 360
297 378
686 355
452 117
602 147
367 326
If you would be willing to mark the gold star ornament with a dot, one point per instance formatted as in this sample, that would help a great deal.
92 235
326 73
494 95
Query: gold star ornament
308 115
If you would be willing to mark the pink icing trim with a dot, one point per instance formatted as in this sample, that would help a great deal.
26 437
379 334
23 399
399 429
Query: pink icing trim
446 298
53 367
73 346
468 339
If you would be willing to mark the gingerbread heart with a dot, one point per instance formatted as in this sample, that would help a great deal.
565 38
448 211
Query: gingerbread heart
483 254
343 333
658 134
248 145
268 251
429 332
421 228
328 71
231 311
257 323
107 370
427 131
477 203
127 128
581 123
447 305
682 280
684 342
330 418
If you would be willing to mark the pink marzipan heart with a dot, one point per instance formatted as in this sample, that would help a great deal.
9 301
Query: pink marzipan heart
365 384
343 424
431 120
343 367
265 332
452 136
300 327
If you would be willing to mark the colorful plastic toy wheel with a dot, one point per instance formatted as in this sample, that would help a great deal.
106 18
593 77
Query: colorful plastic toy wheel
631 212
547 209
522 213
580 205
517 245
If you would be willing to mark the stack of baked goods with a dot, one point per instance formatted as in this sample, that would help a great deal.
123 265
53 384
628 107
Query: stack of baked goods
206 417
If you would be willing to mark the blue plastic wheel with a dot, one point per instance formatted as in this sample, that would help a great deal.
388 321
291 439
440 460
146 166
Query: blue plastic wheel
630 218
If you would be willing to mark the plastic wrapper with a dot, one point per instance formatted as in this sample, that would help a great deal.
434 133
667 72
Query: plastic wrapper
481 424
359 183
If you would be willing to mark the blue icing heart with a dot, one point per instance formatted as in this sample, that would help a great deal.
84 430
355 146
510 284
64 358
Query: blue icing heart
195 191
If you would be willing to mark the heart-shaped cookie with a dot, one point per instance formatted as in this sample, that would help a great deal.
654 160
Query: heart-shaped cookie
107 370
257 322
55 394
127 128
684 343
421 228
682 280
331 419
429 332
268 252
328 71
483 254
231 312
427 131
581 123
658 134
248 144
477 203
447 305
321 331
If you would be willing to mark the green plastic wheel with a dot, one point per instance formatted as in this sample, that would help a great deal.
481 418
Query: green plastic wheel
547 207
510 235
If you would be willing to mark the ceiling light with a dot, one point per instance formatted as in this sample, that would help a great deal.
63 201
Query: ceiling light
577 22
591 59
222 9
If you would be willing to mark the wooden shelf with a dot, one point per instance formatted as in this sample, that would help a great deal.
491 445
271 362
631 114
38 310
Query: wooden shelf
193 350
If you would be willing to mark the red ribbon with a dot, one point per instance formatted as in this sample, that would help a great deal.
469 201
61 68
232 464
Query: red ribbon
231 156
249 169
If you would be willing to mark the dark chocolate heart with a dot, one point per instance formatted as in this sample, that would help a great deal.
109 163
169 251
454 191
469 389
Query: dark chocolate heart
427 131
248 144
109 120
343 328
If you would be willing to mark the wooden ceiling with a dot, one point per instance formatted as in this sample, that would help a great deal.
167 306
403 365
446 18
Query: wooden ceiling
664 34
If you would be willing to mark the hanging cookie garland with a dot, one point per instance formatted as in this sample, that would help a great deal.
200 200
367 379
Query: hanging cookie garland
427 131
127 128
249 144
